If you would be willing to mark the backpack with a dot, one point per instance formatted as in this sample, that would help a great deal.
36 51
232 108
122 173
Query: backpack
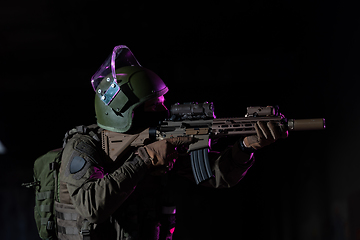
46 170
46 185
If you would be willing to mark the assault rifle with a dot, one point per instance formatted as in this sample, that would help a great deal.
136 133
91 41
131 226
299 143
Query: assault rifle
198 120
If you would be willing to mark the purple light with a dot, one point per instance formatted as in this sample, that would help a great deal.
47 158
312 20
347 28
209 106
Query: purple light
121 57
121 74
122 54
98 173
113 57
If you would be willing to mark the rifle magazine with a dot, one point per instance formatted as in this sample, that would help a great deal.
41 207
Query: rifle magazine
200 165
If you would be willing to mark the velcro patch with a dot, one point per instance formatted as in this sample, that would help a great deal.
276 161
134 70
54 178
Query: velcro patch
89 150
77 163
77 166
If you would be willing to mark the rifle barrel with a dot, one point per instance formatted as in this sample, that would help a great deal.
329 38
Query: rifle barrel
306 124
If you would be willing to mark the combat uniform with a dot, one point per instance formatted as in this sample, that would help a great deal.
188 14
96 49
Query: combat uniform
120 199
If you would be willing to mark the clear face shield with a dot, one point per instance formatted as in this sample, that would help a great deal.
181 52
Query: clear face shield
120 57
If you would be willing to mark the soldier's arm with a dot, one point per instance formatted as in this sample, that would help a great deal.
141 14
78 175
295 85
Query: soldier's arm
230 166
95 194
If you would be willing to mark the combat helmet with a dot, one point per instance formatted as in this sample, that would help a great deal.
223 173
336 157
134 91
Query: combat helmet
122 84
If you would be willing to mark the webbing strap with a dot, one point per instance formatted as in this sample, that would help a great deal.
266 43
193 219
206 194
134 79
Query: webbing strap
68 230
44 195
44 221
94 136
83 130
85 230
45 208
67 216
49 224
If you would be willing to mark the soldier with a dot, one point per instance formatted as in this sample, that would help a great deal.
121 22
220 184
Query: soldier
125 196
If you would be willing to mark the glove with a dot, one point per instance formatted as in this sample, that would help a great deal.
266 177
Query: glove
163 153
266 133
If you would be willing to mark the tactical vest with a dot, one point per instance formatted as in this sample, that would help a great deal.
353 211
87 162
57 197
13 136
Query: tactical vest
69 221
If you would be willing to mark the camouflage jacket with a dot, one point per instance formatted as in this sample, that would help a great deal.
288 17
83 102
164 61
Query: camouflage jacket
120 199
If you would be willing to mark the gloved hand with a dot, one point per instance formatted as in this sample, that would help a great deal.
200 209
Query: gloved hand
163 153
267 133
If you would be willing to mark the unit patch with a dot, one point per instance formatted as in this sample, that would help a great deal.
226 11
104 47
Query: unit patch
77 163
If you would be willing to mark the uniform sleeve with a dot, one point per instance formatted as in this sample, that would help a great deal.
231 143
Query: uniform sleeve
95 194
230 166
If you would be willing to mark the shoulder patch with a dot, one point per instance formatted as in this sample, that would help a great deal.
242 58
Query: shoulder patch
77 163
77 166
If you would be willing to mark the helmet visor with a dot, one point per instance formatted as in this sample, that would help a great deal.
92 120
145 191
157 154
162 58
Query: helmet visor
120 57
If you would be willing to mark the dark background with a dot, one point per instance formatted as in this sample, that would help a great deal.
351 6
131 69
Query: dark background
300 55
